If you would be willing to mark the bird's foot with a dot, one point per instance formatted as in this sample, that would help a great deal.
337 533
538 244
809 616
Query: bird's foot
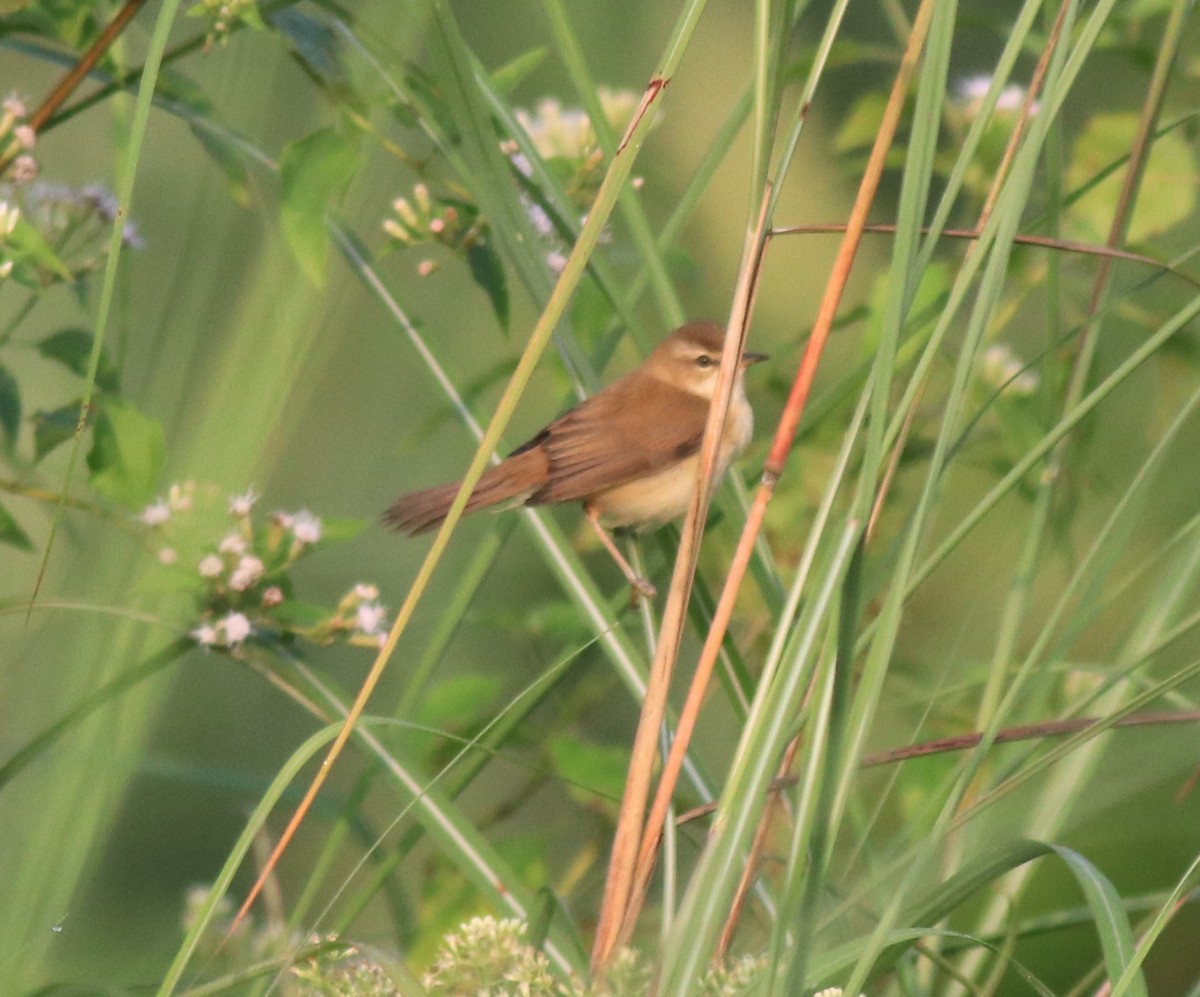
640 586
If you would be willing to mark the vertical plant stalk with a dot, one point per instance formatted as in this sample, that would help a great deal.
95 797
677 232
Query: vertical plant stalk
781 445
754 858
67 85
1010 152
616 918
572 272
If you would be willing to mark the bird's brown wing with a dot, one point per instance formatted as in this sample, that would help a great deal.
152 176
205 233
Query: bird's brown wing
627 431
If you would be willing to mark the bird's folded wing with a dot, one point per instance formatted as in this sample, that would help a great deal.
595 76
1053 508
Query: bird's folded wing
628 431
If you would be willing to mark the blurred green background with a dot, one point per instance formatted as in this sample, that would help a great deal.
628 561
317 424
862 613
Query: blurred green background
313 396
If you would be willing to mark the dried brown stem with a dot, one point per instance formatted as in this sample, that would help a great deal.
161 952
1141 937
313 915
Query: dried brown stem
964 742
622 903
780 448
76 74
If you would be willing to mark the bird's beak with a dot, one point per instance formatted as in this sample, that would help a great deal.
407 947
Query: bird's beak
749 359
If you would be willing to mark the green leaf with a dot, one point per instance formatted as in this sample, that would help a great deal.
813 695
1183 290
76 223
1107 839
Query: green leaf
508 77
594 773
458 702
127 454
53 428
1165 197
11 532
488 272
32 249
227 156
861 125
10 406
314 44
313 172
218 140
73 349
1112 923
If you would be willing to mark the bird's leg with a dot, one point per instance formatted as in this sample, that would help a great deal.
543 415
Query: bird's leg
637 581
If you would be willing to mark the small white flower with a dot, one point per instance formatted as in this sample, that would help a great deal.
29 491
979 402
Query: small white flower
15 106
240 505
421 196
973 88
521 162
156 513
211 566
206 635
272 597
179 497
370 618
556 261
1003 369
249 570
168 555
541 222
26 137
237 628
8 218
232 543
306 527
366 592
24 169
426 267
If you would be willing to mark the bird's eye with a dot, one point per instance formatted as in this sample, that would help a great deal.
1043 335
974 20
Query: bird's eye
704 360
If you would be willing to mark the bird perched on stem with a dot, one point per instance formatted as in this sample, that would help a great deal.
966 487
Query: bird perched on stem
628 453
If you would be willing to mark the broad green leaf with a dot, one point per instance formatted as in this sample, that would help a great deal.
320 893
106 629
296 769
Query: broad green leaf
313 172
488 271
11 532
127 454
10 406
52 428
73 349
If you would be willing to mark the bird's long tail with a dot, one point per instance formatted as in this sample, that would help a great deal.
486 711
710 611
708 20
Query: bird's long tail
513 480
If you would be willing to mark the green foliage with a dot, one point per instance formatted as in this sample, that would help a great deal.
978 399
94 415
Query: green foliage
128 450
985 531
313 172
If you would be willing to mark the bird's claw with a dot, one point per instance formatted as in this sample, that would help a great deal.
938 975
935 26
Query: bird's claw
641 587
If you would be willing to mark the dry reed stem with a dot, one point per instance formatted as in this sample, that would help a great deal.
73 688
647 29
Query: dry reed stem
539 337
1010 152
781 445
615 921
75 75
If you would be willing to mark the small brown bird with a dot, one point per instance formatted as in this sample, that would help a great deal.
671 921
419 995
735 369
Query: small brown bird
628 453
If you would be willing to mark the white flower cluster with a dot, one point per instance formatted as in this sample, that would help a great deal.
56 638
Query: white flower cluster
13 115
241 576
1002 370
568 136
972 90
